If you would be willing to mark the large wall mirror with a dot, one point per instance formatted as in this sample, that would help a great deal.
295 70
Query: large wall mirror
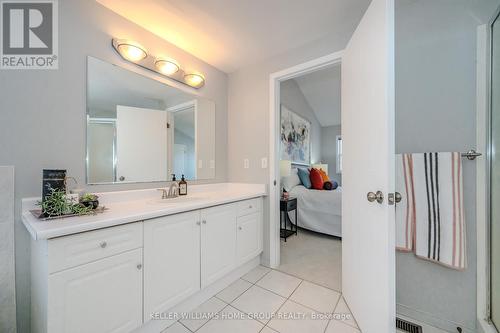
142 130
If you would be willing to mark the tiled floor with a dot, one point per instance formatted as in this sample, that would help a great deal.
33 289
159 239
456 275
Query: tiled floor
269 301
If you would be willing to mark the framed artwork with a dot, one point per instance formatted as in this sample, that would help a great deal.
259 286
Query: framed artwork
295 142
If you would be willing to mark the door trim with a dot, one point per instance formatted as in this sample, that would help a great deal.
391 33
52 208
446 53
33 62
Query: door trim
274 93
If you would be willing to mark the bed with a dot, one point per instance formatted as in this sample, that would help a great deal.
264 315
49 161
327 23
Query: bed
319 211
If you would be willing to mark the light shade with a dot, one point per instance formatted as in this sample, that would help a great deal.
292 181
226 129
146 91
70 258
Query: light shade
195 80
285 168
167 66
131 50
322 166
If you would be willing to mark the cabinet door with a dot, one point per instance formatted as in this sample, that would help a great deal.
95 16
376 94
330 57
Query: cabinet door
102 296
249 237
218 242
171 261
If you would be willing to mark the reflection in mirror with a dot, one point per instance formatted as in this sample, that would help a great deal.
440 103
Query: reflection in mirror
142 130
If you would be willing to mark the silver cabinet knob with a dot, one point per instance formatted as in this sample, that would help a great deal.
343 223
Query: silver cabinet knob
240 228
204 221
250 207
139 266
103 244
198 222
121 178
379 197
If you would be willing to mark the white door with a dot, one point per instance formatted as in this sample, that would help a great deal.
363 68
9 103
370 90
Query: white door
368 246
141 144
218 242
103 296
171 261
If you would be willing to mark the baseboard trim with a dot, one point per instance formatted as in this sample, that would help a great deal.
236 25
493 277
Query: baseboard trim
432 320
155 326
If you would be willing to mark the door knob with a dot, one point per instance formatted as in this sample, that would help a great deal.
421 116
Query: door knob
379 197
398 197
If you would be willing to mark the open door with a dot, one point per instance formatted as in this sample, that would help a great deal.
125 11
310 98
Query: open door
368 246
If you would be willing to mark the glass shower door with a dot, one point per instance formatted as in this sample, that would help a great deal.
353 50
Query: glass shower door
495 176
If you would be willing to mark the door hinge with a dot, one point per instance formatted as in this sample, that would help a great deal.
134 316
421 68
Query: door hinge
168 125
274 182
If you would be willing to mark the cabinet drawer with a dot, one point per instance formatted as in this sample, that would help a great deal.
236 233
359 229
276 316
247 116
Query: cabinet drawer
70 251
249 206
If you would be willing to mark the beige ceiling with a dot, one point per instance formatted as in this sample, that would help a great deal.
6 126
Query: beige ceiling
230 34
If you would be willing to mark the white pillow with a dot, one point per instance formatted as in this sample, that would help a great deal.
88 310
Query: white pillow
288 183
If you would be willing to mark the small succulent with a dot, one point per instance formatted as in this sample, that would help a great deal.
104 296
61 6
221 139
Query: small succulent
88 197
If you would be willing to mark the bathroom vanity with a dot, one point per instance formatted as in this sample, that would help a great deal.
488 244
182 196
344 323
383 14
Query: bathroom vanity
143 259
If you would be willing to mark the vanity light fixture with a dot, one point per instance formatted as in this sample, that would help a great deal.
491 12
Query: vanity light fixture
130 50
195 80
137 54
166 66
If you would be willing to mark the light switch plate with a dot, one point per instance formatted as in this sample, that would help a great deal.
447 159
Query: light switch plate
246 163
264 162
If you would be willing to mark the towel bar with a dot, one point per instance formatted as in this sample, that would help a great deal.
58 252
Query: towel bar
471 155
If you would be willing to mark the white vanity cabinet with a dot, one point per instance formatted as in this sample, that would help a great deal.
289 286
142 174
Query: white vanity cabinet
118 278
103 296
171 261
218 242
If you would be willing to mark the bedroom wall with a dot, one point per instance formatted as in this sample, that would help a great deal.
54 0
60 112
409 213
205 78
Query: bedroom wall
435 111
329 151
42 113
293 98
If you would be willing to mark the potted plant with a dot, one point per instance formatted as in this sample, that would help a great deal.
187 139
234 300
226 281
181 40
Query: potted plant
90 200
56 203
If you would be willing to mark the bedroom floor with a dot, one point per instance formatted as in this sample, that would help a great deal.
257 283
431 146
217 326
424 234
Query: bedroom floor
313 257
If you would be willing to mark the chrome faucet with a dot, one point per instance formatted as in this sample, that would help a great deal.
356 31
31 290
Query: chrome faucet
172 192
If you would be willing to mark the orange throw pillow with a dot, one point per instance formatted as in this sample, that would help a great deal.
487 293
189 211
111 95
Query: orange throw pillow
324 175
316 179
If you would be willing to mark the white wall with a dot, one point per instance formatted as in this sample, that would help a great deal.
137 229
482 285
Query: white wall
293 99
42 117
329 151
7 279
435 111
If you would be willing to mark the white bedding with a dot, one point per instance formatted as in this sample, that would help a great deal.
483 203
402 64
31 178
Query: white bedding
319 211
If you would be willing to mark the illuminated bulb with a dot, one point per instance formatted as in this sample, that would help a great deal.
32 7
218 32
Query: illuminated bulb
132 51
194 80
166 66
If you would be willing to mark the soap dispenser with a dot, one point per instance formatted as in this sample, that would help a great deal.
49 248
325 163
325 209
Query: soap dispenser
183 186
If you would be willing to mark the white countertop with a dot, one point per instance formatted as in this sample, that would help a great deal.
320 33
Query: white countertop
137 205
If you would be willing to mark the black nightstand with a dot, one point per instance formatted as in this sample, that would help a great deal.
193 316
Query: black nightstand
287 205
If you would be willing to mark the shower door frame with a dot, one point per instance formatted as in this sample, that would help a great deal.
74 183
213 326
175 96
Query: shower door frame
489 161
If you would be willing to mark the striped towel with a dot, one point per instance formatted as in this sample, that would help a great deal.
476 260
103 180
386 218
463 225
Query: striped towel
430 219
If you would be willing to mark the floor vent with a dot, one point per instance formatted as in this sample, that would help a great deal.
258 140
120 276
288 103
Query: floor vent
407 326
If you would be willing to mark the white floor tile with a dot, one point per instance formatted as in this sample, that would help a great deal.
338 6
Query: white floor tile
306 320
279 283
234 290
203 313
230 320
256 274
316 297
335 326
343 314
260 302
176 328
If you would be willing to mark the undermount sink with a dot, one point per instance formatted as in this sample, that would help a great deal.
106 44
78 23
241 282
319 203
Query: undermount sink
176 200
